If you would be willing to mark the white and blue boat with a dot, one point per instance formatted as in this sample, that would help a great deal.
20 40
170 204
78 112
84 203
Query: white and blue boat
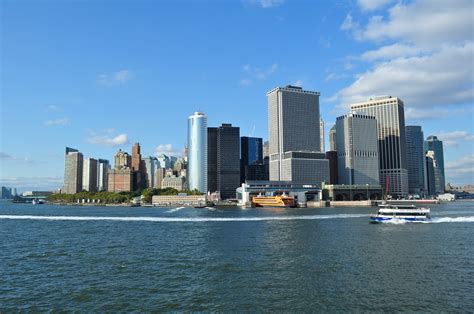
402 213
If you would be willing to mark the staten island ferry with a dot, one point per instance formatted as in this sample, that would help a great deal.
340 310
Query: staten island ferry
273 201
401 213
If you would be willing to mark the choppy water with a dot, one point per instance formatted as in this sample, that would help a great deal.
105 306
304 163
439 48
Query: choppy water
172 259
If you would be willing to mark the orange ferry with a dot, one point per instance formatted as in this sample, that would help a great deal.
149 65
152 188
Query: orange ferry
273 201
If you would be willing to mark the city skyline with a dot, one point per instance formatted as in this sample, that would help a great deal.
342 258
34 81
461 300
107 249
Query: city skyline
55 98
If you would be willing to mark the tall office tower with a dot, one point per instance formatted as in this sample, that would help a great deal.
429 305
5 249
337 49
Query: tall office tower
72 171
357 150
434 144
160 174
212 159
321 137
139 175
415 159
103 168
331 156
251 159
136 157
223 170
332 138
89 175
164 161
173 159
197 152
294 137
151 164
430 176
228 160
120 179
438 173
185 154
390 115
266 149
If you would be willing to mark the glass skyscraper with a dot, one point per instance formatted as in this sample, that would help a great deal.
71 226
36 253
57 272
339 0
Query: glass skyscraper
415 159
197 152
251 159
434 144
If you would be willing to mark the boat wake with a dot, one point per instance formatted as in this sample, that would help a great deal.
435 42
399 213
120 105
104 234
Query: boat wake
179 219
435 220
174 210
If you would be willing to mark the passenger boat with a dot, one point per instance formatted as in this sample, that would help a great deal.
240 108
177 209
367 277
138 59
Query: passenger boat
401 213
273 201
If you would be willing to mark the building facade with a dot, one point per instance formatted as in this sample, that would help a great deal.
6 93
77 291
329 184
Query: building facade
415 159
390 115
197 152
160 174
251 159
437 173
73 163
430 187
89 175
434 144
120 178
151 164
357 150
212 159
332 138
321 136
294 137
103 167
174 182
331 156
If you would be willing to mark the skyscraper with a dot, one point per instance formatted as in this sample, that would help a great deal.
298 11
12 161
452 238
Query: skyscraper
437 173
434 144
321 137
416 163
251 159
430 175
120 179
332 138
151 164
224 160
164 161
103 167
390 116
139 175
357 150
197 152
73 163
294 137
89 175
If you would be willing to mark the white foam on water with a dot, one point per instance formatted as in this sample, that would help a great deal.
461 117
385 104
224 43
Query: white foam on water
179 219
438 220
174 210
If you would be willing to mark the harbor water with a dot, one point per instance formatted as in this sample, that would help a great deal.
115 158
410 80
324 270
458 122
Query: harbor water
83 258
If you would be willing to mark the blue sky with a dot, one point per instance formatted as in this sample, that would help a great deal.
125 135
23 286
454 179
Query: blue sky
101 75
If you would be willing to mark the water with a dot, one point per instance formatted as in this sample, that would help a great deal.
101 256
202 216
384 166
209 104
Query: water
175 259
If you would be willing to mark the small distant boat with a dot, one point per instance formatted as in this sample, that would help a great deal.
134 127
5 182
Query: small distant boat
273 201
401 213
37 201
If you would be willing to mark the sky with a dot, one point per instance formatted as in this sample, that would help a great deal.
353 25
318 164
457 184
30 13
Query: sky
101 75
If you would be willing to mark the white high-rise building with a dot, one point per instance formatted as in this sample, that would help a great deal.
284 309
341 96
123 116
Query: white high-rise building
390 115
151 164
103 167
197 152
294 137
357 150
89 175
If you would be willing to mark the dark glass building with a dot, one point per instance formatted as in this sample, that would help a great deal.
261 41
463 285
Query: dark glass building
223 148
434 144
415 159
251 162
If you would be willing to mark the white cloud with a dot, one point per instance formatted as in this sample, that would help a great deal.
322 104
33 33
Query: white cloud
390 51
62 121
4 157
298 83
107 138
445 77
168 150
266 4
461 171
54 108
424 23
348 23
371 5
452 139
257 73
117 78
